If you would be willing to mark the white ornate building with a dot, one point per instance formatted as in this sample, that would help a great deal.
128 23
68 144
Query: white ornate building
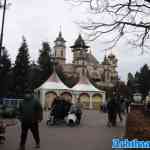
84 64
104 73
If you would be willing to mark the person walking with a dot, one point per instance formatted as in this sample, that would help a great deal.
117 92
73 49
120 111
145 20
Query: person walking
127 104
112 112
119 106
30 114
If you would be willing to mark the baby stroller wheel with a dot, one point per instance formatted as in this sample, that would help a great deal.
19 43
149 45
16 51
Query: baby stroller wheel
71 123
51 121
78 122
48 122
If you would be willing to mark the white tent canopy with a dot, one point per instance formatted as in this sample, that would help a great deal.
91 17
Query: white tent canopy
84 85
53 83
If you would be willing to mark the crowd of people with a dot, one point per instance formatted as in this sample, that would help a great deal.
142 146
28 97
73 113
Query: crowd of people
31 113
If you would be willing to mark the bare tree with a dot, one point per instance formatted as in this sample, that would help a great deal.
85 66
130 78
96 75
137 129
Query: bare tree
117 19
1 5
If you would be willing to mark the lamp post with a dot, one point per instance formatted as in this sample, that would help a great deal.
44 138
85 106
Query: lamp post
1 36
2 27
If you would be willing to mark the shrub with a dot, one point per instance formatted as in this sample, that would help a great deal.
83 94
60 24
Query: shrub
9 112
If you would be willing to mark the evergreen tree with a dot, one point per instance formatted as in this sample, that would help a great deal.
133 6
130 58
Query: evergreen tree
137 77
5 66
137 84
144 80
34 75
130 84
140 82
21 70
45 61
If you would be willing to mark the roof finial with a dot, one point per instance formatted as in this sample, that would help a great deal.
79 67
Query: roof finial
111 51
105 52
60 32
60 28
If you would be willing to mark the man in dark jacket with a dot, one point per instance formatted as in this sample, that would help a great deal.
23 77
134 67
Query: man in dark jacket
30 115
112 111
119 105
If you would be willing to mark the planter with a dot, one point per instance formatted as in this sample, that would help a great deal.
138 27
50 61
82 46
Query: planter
9 112
137 125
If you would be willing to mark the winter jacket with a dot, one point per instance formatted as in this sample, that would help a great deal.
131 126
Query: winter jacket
30 111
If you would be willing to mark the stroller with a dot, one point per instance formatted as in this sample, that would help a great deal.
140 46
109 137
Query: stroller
74 115
58 112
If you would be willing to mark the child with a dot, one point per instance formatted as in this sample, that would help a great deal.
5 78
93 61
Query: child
2 131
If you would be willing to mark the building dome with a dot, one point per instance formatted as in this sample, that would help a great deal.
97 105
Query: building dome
111 56
91 59
112 59
79 43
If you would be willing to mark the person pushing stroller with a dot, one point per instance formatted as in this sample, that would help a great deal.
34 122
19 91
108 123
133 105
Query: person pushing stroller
64 110
59 111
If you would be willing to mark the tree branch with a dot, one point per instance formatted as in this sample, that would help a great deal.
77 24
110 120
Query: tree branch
131 15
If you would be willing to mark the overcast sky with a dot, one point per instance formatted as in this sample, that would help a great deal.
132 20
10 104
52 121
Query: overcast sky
40 20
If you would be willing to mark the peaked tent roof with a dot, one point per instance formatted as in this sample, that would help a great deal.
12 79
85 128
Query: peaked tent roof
54 83
84 85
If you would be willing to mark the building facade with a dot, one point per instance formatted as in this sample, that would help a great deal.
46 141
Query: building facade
84 62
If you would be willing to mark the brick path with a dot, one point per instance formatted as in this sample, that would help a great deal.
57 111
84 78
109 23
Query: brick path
92 134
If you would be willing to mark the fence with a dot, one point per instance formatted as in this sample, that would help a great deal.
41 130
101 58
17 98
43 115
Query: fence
10 102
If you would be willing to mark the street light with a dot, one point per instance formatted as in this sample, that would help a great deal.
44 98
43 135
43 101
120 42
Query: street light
1 36
2 28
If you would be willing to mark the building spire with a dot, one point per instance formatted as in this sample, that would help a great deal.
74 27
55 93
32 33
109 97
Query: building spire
60 27
60 32
105 52
60 38
79 43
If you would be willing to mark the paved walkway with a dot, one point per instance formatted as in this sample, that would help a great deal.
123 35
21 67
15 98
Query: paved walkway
92 134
